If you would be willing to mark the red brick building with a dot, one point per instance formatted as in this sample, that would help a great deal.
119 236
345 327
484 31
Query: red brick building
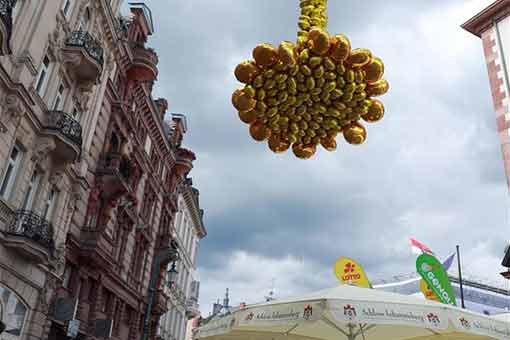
492 25
121 238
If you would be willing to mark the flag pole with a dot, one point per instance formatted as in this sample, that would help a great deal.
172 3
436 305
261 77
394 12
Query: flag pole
460 279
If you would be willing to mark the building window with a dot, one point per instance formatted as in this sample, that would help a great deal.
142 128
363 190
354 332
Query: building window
148 145
49 204
33 185
42 78
66 278
67 7
85 20
16 10
60 97
11 173
12 313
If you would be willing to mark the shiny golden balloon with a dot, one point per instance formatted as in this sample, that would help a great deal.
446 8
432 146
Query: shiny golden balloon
265 55
375 112
259 131
329 143
355 134
277 144
304 94
246 72
247 117
304 151
242 101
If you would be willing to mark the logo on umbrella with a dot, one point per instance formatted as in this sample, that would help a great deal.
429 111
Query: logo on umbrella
349 267
433 319
307 313
464 323
350 312
249 317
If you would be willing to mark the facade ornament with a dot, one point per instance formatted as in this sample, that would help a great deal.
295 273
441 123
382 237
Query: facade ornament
12 112
56 179
42 148
59 259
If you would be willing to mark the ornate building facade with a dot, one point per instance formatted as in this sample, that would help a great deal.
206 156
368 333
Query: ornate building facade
89 172
183 286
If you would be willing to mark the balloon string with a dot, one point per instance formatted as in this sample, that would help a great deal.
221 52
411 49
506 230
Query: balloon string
313 15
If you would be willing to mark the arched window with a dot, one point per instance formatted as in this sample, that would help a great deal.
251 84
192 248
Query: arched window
12 312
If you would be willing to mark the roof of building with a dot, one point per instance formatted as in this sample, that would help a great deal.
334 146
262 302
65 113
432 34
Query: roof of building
482 21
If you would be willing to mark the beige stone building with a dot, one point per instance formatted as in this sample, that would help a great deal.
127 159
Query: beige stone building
53 71
183 285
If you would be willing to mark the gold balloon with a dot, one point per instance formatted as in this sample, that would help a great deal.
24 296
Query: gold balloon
378 88
329 143
242 101
259 131
277 144
265 55
375 112
340 48
374 71
355 134
318 41
305 94
304 151
246 72
286 53
247 117
359 57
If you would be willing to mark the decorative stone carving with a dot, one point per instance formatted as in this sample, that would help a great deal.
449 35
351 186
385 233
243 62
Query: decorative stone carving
42 148
126 148
59 260
56 179
13 111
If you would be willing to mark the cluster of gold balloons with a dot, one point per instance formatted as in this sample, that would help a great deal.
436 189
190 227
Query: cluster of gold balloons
305 94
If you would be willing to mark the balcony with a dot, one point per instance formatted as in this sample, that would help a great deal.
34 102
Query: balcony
144 65
6 7
83 55
67 133
192 308
31 235
184 161
115 172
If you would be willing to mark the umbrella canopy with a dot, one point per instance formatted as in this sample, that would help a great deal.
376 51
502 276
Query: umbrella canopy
353 313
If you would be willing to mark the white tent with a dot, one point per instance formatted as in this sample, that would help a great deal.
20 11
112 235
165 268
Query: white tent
353 313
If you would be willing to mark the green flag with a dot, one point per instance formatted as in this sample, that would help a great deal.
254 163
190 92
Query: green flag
432 271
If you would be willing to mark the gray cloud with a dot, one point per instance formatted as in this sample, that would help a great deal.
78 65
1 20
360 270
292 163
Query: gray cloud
431 169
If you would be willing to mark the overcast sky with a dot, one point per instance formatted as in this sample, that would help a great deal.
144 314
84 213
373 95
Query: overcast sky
432 169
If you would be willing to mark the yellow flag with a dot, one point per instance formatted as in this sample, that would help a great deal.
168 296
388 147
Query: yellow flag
427 292
350 272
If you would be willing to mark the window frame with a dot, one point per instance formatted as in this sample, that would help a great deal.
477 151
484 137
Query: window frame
60 97
67 8
31 192
6 187
43 76
49 204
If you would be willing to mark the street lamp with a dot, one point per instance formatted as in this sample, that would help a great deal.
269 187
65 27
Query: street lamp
171 275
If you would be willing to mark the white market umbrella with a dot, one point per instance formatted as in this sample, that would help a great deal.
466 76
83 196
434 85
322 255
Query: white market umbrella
353 313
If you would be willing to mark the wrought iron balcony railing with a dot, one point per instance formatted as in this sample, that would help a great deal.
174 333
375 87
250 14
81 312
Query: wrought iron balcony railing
66 125
30 225
6 7
88 43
